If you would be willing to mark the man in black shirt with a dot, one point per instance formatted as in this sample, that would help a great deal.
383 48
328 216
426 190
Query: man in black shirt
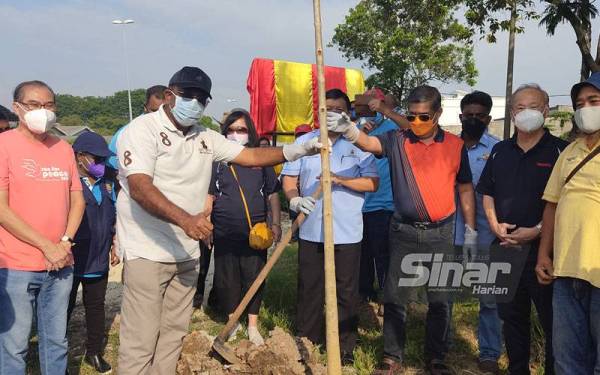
512 184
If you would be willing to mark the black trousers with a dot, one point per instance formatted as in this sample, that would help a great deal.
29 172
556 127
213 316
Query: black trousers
406 240
310 321
236 268
94 291
375 256
205 254
516 316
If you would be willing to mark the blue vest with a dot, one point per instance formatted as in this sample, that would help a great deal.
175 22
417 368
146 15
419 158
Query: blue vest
94 236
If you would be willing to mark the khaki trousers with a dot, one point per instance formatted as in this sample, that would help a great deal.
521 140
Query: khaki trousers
155 315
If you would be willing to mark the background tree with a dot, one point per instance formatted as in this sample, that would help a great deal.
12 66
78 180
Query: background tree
488 17
105 115
407 43
579 14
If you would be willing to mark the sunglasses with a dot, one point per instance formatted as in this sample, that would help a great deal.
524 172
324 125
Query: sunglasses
422 117
200 96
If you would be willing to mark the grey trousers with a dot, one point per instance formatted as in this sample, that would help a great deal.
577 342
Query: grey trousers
155 315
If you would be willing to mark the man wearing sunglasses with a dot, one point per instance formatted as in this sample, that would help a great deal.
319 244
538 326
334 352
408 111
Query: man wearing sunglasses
426 163
165 167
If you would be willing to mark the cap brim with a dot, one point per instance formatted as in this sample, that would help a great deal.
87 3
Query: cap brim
578 87
194 85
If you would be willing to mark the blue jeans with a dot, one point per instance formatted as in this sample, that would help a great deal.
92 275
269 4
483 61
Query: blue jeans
576 327
21 294
489 333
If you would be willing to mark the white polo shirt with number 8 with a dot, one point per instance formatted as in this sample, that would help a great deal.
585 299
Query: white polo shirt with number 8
180 166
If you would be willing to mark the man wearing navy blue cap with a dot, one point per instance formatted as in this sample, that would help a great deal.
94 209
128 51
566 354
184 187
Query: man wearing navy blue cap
165 167
93 242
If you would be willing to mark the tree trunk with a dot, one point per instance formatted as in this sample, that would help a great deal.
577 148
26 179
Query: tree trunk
598 51
509 69
334 366
584 48
585 69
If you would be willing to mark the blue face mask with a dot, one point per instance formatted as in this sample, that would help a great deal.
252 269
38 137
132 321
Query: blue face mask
187 112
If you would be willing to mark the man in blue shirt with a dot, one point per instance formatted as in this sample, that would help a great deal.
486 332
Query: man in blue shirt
155 96
475 118
354 172
377 212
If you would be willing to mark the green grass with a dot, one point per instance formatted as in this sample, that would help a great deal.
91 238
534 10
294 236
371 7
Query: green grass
279 309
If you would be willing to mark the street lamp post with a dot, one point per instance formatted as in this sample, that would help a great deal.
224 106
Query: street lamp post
123 23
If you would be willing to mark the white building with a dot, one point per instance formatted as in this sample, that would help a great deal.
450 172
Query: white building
451 106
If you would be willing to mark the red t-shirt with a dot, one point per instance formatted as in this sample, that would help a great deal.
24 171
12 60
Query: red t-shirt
39 177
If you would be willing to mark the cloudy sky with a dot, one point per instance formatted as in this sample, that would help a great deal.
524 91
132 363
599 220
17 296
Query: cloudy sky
72 45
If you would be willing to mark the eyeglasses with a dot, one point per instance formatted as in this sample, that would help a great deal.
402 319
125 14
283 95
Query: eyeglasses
422 117
237 130
200 96
31 106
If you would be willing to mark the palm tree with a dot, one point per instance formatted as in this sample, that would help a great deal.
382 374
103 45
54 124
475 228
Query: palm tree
579 14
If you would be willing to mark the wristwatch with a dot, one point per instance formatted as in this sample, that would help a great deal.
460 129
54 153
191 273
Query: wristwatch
539 227
68 239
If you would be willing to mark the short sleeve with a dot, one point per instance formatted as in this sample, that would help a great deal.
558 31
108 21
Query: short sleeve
387 141
486 181
367 165
212 187
4 167
464 174
224 149
137 150
555 182
75 183
272 184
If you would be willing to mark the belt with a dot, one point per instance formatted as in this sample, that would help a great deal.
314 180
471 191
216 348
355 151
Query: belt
428 224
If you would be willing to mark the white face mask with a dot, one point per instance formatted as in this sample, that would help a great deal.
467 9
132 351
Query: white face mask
529 120
588 119
239 138
39 121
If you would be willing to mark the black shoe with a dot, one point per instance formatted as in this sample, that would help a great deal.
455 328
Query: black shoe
98 363
347 358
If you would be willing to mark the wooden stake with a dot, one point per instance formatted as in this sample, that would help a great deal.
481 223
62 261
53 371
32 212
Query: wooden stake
331 313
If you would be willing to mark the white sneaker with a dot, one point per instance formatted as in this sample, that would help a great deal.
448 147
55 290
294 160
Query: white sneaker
234 333
255 336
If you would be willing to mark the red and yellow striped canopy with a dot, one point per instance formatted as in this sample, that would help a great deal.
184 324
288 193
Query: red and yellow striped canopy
284 94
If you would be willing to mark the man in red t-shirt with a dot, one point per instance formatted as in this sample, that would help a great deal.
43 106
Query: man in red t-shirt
41 206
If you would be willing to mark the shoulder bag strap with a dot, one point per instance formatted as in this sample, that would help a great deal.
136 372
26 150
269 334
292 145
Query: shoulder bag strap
243 197
585 160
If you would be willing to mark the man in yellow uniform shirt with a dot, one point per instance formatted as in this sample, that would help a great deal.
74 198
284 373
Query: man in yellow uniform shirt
569 252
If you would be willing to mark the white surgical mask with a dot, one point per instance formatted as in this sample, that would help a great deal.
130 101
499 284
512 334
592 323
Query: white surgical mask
588 119
39 121
529 120
187 112
239 138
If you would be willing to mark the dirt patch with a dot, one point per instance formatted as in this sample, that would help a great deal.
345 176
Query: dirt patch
281 354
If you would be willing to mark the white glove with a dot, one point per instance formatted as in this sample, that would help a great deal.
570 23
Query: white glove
295 151
341 123
303 204
470 244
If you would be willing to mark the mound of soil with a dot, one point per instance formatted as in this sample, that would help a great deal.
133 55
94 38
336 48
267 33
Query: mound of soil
281 354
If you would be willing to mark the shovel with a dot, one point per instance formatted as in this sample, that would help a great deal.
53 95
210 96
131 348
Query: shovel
219 344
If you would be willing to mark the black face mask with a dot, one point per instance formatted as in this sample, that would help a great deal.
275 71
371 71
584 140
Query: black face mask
473 128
